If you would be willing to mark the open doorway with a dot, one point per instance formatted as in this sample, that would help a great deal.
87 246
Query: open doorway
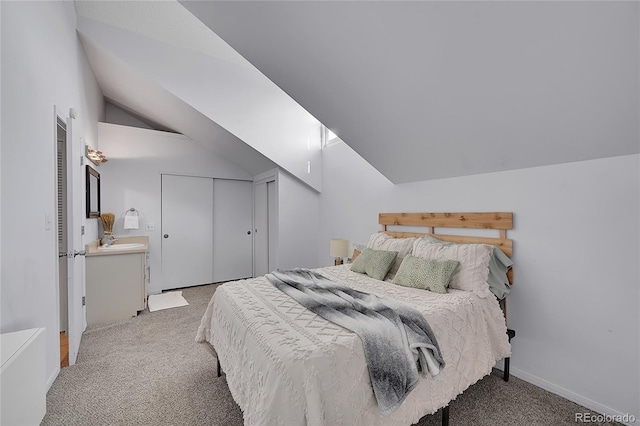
63 244
69 230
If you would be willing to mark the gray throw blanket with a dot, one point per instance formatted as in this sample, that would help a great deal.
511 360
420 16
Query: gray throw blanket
390 331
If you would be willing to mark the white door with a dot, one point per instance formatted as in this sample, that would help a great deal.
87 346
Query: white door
232 219
187 231
272 225
265 239
70 214
75 217
261 230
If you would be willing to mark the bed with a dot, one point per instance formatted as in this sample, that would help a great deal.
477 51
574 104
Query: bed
285 365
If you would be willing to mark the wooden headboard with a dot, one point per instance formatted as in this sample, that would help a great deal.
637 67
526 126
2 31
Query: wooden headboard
501 222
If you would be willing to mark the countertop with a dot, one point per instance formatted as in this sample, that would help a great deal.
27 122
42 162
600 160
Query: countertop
93 250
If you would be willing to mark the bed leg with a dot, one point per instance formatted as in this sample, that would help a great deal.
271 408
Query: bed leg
506 369
511 333
218 369
445 416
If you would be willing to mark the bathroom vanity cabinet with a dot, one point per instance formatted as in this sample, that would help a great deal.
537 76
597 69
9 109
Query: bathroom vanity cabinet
117 283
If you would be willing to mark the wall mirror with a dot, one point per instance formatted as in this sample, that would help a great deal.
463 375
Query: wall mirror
93 192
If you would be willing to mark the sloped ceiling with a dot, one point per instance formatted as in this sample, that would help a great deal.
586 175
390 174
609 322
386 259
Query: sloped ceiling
426 90
159 61
125 86
165 21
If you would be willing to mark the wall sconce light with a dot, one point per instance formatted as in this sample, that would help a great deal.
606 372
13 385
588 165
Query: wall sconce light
96 157
338 249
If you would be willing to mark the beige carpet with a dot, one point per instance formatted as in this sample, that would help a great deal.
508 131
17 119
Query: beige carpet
149 371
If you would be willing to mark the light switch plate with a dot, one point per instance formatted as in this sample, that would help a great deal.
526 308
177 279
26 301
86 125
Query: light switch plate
149 227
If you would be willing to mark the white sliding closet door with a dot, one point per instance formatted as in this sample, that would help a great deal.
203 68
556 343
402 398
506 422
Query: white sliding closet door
187 231
232 229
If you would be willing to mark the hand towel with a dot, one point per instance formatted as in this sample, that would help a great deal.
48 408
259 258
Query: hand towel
131 221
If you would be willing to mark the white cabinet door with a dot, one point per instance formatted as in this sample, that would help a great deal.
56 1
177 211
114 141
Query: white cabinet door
115 287
232 223
187 231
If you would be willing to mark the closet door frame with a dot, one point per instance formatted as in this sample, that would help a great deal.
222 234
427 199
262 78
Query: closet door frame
265 178
167 286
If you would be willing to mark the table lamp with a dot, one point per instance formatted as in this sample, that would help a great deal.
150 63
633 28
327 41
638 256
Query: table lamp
339 249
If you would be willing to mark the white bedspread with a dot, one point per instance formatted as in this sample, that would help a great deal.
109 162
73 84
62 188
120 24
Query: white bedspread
287 366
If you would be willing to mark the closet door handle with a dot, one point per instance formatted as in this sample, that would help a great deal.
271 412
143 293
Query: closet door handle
248 232
166 235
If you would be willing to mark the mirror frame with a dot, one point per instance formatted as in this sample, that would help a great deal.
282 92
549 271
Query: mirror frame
92 173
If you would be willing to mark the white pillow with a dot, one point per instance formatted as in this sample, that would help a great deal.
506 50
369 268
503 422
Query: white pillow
403 246
474 263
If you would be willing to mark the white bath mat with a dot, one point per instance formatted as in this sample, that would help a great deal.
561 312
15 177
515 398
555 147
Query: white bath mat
172 299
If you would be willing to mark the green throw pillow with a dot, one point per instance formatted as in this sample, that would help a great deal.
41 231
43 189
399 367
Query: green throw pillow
375 263
426 274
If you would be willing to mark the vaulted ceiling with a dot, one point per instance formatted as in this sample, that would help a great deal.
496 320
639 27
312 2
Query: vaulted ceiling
160 62
426 90
127 87
421 90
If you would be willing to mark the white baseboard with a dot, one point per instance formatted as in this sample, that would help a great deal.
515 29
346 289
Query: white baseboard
571 396
52 378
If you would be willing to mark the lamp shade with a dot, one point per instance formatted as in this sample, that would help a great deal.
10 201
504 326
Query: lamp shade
339 248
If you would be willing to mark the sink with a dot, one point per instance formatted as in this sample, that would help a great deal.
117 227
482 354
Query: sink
126 246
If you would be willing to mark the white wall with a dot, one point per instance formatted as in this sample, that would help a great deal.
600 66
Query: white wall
132 178
576 248
1 134
298 219
117 115
96 108
42 65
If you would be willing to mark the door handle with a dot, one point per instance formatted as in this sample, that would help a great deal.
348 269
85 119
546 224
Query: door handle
72 253
248 232
166 235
